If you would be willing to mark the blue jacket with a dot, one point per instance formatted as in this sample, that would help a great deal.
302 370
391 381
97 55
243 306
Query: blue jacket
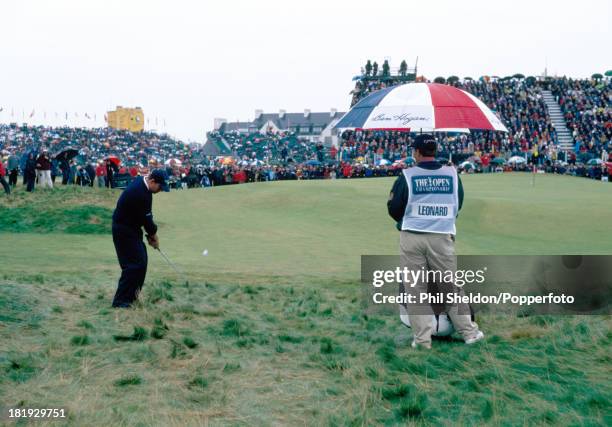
134 208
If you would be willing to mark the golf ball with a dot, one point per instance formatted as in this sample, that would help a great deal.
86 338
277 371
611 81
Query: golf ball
205 253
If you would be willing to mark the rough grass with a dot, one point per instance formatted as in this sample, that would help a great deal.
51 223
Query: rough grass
268 364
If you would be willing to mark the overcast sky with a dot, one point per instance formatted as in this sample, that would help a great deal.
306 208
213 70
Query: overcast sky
190 61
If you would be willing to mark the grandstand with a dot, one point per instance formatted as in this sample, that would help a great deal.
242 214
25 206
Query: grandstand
547 118
94 144
552 122
307 127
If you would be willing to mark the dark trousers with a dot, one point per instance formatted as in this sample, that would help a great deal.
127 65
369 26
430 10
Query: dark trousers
30 181
132 255
7 188
13 177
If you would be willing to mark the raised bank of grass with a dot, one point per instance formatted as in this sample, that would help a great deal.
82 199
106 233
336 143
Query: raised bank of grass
66 209
270 328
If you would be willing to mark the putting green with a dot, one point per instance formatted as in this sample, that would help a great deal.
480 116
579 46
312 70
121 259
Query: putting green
311 231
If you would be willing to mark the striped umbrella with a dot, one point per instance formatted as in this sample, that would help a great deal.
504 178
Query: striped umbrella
421 107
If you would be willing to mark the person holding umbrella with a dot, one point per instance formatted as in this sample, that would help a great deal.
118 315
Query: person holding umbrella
112 168
133 212
425 201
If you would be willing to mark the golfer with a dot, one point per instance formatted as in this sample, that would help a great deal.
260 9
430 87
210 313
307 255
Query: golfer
133 212
425 201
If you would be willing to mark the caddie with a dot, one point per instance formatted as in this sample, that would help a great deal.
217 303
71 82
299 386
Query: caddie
425 200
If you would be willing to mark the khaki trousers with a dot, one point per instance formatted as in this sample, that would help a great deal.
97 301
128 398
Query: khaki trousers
432 252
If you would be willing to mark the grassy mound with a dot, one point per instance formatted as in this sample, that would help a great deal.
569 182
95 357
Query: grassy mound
71 210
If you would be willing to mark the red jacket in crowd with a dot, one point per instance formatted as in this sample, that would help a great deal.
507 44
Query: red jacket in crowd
240 177
133 172
347 170
100 170
2 170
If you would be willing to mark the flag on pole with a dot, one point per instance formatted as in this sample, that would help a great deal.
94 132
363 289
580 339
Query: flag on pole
105 118
32 113
66 115
87 116
1 109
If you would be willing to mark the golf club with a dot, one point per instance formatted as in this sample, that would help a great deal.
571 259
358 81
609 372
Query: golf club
174 267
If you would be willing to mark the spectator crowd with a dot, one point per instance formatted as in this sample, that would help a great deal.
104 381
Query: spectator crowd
106 157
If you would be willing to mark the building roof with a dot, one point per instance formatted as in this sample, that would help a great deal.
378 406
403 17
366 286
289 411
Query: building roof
232 126
286 121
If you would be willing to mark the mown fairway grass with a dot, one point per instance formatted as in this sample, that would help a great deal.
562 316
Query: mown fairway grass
270 328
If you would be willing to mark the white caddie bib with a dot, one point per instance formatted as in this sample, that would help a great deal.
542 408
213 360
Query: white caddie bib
433 200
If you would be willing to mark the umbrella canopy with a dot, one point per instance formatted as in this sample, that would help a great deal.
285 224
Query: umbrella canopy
594 162
114 160
467 165
257 162
517 160
421 107
383 162
67 154
498 161
173 162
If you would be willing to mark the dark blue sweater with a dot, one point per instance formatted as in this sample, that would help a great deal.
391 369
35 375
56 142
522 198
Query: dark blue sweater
134 208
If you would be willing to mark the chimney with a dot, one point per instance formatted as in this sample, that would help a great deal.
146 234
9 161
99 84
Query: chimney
333 112
306 113
218 122
258 114
281 114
